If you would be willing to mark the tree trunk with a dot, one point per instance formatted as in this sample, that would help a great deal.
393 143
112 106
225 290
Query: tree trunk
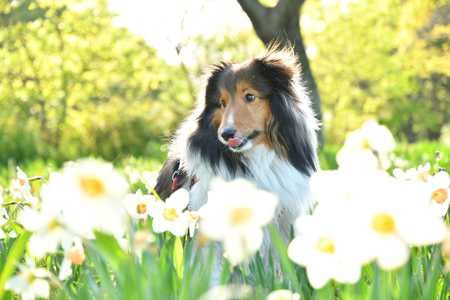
282 23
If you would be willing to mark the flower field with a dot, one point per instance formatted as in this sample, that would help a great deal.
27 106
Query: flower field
90 231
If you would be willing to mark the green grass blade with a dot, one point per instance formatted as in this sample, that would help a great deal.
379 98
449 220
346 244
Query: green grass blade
13 258
433 273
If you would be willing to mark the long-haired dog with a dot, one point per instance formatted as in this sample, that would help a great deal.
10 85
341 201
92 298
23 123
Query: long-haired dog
252 120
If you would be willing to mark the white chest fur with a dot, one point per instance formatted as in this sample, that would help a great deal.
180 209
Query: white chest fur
268 172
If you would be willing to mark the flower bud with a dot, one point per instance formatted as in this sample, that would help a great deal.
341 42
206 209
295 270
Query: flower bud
76 255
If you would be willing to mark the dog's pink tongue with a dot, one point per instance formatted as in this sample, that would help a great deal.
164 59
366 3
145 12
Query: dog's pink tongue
234 142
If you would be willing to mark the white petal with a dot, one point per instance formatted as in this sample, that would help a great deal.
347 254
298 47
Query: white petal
16 283
439 209
12 234
264 210
441 180
159 224
280 295
299 250
430 229
234 245
177 227
156 209
41 288
399 174
65 270
253 237
317 276
393 253
178 200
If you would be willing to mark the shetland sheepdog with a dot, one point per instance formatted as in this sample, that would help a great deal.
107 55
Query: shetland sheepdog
252 120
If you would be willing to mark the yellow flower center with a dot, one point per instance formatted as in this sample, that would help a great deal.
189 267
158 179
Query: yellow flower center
423 176
440 196
141 208
383 223
170 214
366 144
240 215
92 186
53 225
22 182
31 278
325 245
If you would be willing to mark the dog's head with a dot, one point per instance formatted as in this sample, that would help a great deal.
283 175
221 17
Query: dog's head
260 101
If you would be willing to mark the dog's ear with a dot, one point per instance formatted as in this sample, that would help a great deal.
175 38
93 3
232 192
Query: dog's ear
211 79
280 66
292 128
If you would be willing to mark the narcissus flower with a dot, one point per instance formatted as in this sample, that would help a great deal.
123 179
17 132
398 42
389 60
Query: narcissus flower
137 204
366 148
391 230
192 217
50 231
235 214
168 215
31 282
326 249
92 194
439 193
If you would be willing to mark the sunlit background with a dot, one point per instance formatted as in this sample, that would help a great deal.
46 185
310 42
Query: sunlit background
110 78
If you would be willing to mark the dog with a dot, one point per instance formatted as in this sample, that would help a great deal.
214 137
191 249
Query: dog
252 120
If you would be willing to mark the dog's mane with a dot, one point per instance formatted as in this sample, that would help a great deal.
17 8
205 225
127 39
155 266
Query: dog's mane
291 130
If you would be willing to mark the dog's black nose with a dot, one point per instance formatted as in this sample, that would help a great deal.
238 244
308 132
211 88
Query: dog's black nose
228 133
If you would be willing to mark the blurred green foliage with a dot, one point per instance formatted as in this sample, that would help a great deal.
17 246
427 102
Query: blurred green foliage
72 84
386 59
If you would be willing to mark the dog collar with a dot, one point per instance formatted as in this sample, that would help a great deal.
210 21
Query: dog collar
175 181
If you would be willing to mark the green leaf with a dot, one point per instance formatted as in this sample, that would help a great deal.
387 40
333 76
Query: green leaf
15 226
13 258
178 257
433 272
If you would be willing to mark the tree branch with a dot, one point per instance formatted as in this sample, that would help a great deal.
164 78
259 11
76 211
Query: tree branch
257 13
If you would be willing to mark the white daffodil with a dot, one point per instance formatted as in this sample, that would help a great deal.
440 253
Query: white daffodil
192 217
401 176
237 218
21 189
72 254
391 230
91 194
379 137
327 246
283 295
344 184
23 180
50 231
137 204
31 282
168 215
423 173
440 201
366 148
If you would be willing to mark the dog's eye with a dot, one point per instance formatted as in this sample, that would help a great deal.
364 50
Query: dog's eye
224 104
249 97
